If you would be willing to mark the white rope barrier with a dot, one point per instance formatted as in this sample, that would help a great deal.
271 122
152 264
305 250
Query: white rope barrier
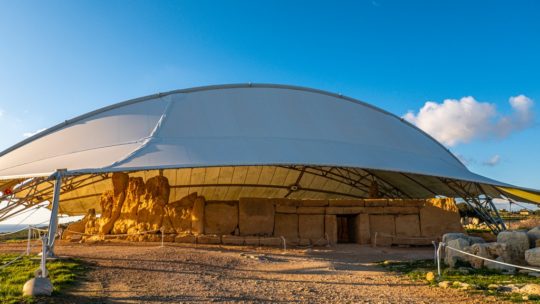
12 261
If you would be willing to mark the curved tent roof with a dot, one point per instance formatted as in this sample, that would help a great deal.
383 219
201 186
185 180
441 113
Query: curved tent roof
245 126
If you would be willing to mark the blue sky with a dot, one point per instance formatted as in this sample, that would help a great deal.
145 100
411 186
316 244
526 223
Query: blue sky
59 59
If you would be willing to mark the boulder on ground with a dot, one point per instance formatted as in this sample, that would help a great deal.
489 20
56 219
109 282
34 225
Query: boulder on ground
533 234
453 236
530 289
532 256
453 257
38 287
497 266
480 249
516 244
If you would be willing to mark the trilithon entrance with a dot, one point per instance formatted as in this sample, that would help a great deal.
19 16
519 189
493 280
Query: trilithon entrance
345 228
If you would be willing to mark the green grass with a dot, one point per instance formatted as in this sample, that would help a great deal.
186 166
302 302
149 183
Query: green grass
12 278
481 278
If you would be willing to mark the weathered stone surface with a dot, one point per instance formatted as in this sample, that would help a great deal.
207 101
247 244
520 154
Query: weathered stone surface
286 226
346 203
76 229
408 225
362 229
453 236
111 203
310 210
179 213
330 229
481 250
476 240
256 216
312 203
152 208
271 241
197 216
220 217
345 210
401 210
452 257
186 238
497 266
127 221
286 202
251 240
311 226
232 240
91 222
374 210
384 226
304 242
533 234
530 289
285 209
405 203
516 244
208 239
532 256
38 287
438 217
379 202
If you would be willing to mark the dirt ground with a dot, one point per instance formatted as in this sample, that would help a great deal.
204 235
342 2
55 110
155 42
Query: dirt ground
148 273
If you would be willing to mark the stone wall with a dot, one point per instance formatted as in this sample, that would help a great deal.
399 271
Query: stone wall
140 211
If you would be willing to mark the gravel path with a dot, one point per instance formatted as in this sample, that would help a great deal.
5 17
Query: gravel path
147 273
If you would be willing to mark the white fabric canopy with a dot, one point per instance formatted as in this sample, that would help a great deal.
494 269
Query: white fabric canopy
235 125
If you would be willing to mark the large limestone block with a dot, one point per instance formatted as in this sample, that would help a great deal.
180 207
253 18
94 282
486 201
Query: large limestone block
286 202
407 226
405 203
232 240
127 221
185 238
285 209
346 203
76 229
516 244
111 202
91 223
152 208
330 229
208 239
179 213
533 234
197 216
362 229
378 202
482 250
438 217
252 241
311 226
497 266
313 203
256 216
532 256
384 226
453 236
286 226
345 210
220 217
401 210
453 257
271 241
311 210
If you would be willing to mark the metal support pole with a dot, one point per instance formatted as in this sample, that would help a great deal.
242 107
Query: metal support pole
53 222
439 259
44 254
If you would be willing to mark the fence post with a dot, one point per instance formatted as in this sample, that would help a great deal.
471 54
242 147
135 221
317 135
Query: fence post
439 259
29 239
44 272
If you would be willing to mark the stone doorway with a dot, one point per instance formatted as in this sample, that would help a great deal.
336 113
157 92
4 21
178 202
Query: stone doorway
345 228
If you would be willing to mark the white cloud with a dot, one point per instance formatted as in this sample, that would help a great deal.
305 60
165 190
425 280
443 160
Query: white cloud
29 134
492 161
460 121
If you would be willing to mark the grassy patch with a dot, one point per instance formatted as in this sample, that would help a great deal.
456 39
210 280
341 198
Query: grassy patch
480 278
12 278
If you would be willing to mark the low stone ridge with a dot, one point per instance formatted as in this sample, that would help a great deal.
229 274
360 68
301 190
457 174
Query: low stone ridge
136 209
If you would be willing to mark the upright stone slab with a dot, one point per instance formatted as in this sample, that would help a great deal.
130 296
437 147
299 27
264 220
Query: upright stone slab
439 216
152 208
384 226
330 228
220 217
111 202
311 226
286 226
533 234
197 216
516 244
256 216
452 257
408 229
127 221
179 213
362 229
